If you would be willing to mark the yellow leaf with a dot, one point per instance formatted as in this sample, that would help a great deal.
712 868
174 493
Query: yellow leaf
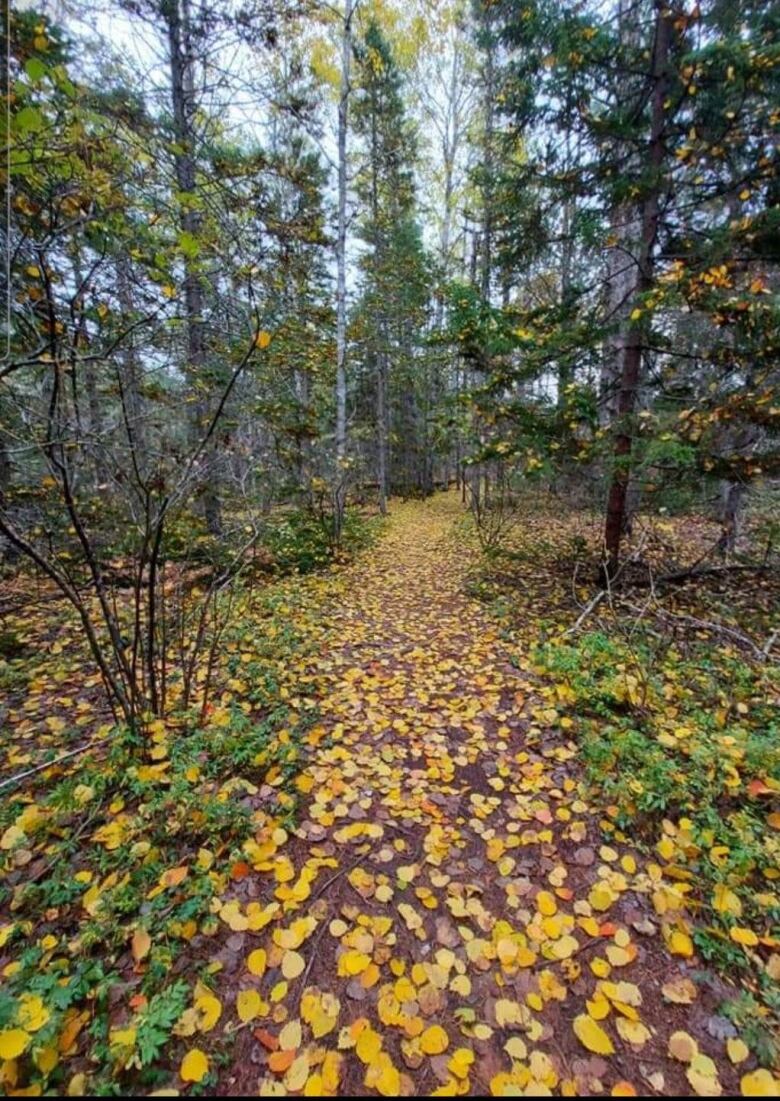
32 1014
313 1086
617 956
703 1076
13 1041
208 1010
592 1035
141 945
263 339
47 1058
515 1048
546 904
383 1076
600 967
601 897
461 984
746 937
353 963
119 1038
434 1040
509 1013
331 1071
678 942
681 991
738 1050
598 1008
279 991
296 1076
12 837
256 962
410 916
633 1032
368 1045
761 1083
194 1066
725 901
460 1062
290 1036
248 1005
320 1011
293 964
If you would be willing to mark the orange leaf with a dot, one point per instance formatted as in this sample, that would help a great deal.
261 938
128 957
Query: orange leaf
141 944
267 1039
174 876
280 1061
758 787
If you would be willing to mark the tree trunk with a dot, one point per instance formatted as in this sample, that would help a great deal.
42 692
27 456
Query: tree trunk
631 367
131 371
381 432
182 95
379 335
565 370
487 190
732 498
341 275
621 279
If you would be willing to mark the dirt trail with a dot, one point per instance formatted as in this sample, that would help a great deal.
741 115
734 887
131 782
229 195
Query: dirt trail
454 909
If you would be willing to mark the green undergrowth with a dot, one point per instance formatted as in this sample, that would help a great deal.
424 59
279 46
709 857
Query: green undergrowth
683 749
679 739
302 540
128 854
688 744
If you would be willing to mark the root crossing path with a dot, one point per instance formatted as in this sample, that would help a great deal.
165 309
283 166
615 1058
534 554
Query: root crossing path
447 916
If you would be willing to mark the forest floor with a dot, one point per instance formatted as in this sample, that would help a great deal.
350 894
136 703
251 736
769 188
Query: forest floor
453 910
478 936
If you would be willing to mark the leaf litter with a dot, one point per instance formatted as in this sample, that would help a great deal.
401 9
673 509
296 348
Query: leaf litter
421 895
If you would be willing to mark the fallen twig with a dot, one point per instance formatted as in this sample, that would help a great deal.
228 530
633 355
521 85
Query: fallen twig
692 573
770 642
705 625
50 764
338 875
589 607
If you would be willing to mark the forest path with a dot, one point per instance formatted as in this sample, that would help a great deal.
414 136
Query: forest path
452 919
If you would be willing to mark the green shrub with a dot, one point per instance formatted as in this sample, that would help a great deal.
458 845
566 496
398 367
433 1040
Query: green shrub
692 740
302 540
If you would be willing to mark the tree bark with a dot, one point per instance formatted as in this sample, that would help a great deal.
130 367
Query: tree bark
381 430
487 189
631 367
131 371
341 273
176 14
